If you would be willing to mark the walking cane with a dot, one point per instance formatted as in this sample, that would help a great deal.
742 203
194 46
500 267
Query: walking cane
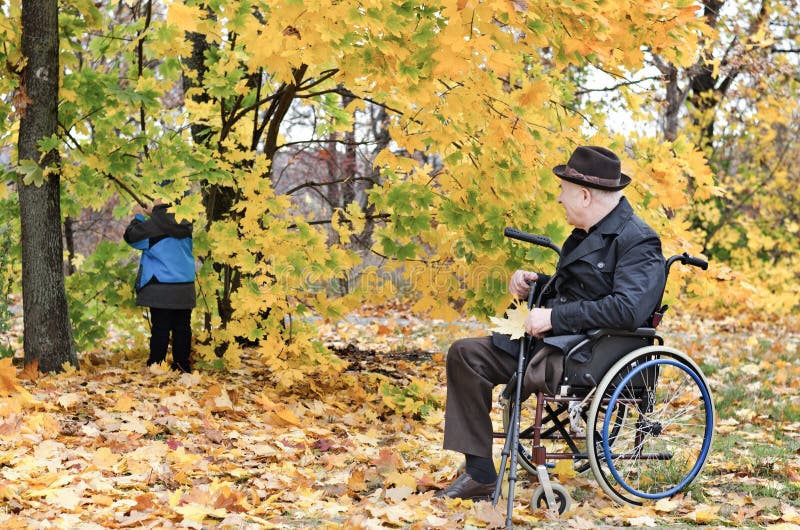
512 436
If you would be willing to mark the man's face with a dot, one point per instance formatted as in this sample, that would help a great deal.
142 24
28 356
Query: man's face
573 199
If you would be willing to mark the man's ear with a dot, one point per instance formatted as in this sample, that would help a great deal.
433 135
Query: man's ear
586 196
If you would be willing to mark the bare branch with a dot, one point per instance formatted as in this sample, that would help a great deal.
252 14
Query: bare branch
328 183
383 216
347 93
618 85
326 141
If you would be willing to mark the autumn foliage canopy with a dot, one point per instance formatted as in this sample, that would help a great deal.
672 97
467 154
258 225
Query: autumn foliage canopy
436 126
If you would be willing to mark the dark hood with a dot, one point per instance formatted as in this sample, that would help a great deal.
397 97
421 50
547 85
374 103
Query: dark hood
166 221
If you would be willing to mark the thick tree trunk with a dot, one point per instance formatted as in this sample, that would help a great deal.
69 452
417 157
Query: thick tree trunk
47 330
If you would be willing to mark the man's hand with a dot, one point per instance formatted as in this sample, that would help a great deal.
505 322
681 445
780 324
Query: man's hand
518 285
538 322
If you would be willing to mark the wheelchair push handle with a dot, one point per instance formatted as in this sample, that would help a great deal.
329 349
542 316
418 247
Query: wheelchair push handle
686 259
694 262
541 241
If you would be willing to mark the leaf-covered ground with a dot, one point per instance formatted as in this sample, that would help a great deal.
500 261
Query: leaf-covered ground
118 445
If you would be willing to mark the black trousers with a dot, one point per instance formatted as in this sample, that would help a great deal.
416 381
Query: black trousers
175 322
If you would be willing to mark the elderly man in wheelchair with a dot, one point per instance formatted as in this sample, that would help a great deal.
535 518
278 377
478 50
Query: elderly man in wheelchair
588 354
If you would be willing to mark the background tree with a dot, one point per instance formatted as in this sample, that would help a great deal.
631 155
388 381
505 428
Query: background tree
473 96
319 143
47 334
738 104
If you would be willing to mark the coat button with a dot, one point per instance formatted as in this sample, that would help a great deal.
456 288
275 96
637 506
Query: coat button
563 299
601 265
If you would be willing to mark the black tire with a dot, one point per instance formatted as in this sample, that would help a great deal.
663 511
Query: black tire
562 498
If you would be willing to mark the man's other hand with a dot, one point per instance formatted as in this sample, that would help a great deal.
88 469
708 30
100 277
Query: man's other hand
518 285
538 322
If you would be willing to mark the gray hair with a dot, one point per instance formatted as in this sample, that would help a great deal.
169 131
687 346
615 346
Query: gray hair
605 196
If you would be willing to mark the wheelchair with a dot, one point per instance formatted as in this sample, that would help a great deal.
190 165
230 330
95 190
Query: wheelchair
637 413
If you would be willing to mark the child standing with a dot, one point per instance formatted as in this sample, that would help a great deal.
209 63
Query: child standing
165 282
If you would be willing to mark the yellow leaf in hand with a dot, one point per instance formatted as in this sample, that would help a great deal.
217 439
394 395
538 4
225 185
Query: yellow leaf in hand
513 324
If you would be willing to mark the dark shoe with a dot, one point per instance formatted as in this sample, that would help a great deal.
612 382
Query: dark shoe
464 487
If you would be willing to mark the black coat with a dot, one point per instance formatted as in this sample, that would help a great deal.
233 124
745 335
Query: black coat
611 278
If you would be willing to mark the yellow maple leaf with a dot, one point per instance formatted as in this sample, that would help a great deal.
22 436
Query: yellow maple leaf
666 505
789 514
185 17
402 479
124 404
217 399
66 498
197 512
512 324
69 399
287 416
8 378
357 480
564 469
704 514
104 459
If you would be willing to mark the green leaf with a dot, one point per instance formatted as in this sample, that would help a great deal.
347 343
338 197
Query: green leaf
31 173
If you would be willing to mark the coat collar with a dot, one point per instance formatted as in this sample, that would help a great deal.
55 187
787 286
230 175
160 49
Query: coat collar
612 223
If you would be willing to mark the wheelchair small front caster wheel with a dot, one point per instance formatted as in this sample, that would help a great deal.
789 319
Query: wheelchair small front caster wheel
563 500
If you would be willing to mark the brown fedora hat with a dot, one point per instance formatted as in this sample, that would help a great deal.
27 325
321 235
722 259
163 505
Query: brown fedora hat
593 167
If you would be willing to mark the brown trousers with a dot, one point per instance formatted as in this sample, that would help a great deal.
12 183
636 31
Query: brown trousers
474 367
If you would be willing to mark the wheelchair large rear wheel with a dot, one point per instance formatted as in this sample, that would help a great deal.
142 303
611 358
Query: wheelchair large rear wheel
666 435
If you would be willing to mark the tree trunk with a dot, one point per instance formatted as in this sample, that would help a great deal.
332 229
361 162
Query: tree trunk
47 331
674 104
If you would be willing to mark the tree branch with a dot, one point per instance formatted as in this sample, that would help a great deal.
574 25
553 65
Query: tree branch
327 141
329 221
618 85
347 93
141 37
328 183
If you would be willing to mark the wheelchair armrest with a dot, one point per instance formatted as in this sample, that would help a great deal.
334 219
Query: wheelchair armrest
602 332
591 358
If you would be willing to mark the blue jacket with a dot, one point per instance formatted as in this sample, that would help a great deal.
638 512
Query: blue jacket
166 269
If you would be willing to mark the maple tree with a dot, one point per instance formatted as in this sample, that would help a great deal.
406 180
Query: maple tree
480 93
476 90
48 335
190 102
738 105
